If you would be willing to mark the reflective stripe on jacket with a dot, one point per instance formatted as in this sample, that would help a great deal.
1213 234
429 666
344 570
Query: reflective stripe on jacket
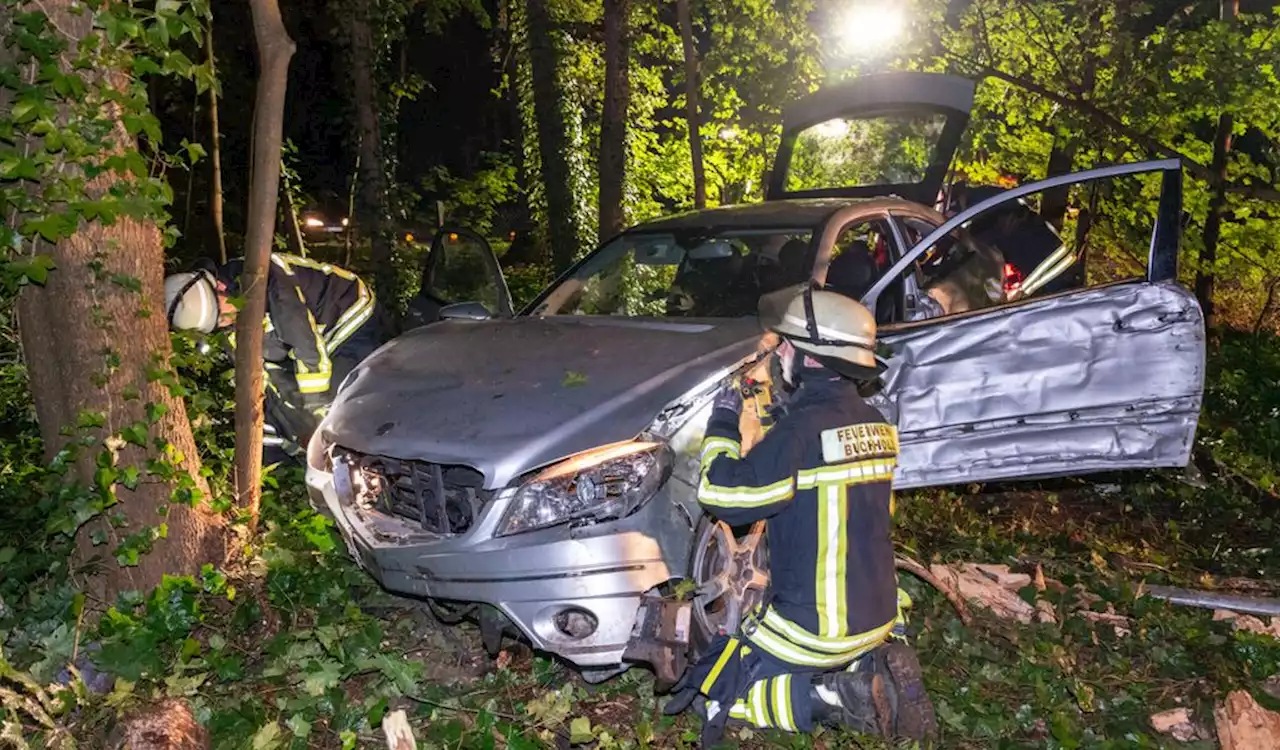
822 477
312 309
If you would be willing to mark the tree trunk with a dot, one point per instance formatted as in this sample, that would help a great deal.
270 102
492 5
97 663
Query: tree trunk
1228 10
613 120
1053 207
371 195
90 344
691 104
275 48
297 244
553 144
215 153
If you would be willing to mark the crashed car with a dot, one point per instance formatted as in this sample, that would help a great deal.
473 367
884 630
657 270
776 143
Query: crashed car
538 469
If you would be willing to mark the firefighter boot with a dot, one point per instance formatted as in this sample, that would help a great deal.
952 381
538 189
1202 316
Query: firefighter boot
914 716
861 701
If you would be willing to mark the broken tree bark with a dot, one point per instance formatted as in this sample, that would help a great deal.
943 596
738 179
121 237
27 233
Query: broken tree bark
275 48
921 572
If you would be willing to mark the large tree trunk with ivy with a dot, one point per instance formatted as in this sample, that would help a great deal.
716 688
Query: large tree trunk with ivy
553 143
275 48
371 191
97 348
613 120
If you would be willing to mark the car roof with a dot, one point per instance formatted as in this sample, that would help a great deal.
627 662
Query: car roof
805 213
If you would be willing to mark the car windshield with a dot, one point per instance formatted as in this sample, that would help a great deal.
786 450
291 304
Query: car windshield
697 273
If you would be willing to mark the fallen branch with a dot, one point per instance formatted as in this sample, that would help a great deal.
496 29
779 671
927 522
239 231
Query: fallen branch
921 572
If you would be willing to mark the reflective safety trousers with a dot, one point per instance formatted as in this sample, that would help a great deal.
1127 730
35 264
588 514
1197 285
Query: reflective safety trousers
821 477
745 683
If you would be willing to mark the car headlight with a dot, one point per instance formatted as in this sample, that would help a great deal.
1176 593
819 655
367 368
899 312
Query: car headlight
317 452
603 484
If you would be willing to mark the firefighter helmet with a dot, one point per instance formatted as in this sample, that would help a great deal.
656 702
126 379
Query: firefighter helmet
837 331
191 301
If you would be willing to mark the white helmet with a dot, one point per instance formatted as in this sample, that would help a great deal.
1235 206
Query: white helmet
834 329
191 301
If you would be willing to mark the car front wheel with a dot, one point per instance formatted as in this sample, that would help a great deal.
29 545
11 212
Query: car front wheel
730 572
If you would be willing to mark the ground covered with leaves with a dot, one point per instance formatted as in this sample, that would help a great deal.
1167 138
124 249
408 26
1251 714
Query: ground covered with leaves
301 649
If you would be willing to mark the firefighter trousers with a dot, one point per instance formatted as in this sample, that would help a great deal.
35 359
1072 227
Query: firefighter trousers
744 680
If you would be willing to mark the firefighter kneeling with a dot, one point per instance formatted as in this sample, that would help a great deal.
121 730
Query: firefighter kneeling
827 645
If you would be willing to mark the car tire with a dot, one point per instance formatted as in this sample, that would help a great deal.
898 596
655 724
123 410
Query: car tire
710 615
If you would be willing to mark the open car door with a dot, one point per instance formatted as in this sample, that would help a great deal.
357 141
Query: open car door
459 268
877 135
1088 380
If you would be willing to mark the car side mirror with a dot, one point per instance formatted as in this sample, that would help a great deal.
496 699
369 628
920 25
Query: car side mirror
465 311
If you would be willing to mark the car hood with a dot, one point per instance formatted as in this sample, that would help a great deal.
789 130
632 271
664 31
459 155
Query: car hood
508 396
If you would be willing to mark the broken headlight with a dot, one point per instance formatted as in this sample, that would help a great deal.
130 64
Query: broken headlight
603 484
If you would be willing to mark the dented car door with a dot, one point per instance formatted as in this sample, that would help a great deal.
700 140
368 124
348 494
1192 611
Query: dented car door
1094 379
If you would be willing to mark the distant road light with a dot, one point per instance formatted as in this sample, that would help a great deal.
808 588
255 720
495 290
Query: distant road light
728 134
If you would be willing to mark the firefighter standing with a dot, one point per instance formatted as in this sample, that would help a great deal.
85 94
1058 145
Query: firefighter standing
321 321
826 645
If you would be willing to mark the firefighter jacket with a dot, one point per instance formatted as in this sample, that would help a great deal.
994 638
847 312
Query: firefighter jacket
312 309
821 476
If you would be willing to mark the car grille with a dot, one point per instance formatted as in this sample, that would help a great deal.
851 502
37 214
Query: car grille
442 499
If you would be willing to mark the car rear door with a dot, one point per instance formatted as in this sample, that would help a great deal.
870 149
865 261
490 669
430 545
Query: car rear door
460 267
1092 379
889 134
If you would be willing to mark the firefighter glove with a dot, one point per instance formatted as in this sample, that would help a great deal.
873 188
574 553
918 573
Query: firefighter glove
729 397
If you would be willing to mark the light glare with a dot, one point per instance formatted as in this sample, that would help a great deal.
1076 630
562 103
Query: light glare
871 27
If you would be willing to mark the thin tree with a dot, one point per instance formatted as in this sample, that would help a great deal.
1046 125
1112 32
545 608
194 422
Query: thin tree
1205 274
215 150
553 143
92 335
691 103
613 120
275 48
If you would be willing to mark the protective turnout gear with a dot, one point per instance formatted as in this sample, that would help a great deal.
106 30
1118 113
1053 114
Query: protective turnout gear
809 652
321 321
836 330
191 301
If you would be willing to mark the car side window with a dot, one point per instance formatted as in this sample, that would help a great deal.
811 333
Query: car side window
957 274
859 255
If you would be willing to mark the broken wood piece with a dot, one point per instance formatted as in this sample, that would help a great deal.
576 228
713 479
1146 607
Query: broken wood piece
1176 723
1253 605
953 594
976 586
1242 724
1121 624
395 725
1001 575
1248 622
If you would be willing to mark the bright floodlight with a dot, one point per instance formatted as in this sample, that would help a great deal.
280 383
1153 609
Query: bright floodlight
869 27
313 222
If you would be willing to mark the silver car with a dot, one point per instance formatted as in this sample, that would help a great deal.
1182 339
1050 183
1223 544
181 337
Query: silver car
538 470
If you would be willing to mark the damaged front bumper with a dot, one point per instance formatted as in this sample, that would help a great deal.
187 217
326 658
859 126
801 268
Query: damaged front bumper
583 593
